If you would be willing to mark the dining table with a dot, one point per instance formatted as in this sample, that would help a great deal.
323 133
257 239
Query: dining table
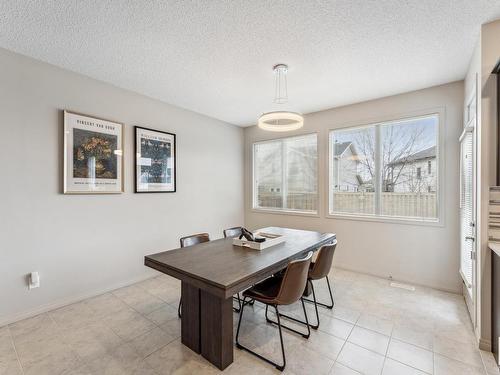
212 272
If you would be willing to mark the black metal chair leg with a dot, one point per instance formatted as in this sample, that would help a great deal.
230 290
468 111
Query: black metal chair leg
240 303
315 326
239 324
281 368
331 296
306 323
237 298
239 346
179 308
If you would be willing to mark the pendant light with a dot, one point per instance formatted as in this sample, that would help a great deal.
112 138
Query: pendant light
280 121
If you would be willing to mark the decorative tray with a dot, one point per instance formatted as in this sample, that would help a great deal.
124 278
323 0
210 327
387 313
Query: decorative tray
271 240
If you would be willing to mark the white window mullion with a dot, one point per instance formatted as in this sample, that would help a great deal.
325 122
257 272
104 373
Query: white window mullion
284 170
255 177
378 169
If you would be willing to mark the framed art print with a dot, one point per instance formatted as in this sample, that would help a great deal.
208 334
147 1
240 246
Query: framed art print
155 160
93 155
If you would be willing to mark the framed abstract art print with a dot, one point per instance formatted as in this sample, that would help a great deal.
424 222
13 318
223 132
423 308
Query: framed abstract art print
93 155
155 161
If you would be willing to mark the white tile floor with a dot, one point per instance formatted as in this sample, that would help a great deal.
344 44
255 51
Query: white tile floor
374 329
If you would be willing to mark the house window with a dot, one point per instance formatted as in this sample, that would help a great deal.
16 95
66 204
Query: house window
286 174
376 170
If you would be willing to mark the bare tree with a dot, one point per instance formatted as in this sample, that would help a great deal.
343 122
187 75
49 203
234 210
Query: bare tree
398 144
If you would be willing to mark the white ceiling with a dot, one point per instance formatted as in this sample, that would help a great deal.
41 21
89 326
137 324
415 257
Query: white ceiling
215 57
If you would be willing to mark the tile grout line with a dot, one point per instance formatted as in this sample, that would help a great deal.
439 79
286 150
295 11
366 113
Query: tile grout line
15 349
387 349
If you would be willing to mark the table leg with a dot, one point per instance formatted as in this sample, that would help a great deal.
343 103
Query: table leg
216 329
190 322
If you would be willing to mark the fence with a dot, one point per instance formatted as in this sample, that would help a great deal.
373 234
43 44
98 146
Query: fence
391 204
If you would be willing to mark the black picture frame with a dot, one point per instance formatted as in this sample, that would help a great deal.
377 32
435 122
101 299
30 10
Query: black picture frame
139 131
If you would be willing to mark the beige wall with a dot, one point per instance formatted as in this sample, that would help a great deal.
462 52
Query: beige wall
83 245
419 254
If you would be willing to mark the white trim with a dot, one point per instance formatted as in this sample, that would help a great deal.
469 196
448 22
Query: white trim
467 129
67 301
390 279
285 212
387 219
471 125
464 279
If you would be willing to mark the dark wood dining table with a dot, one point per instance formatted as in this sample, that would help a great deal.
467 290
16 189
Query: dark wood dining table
212 272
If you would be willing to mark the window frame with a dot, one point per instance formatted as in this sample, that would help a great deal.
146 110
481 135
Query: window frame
440 113
283 211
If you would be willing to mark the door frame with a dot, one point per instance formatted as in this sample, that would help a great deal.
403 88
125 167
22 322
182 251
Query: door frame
471 121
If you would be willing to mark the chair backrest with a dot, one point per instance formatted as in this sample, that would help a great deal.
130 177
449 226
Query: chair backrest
232 232
194 239
294 281
323 262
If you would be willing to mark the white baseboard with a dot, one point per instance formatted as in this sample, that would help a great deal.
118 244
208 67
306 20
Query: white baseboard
406 281
67 301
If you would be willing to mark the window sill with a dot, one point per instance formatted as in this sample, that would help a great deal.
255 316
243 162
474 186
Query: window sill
286 212
388 219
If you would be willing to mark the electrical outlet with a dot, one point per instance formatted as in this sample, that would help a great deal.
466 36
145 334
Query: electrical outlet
34 280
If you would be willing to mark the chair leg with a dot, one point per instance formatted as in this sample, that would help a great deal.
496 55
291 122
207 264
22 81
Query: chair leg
239 346
314 326
179 309
331 296
238 299
306 323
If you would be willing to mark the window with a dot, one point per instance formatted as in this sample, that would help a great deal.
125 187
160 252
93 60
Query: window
286 174
376 170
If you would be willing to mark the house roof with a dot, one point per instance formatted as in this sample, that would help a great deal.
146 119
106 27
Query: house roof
420 155
339 148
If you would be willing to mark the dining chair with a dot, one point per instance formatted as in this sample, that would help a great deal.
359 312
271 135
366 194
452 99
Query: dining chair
194 239
318 270
232 233
277 291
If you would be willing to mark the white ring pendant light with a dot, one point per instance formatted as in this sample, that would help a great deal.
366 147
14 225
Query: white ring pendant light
281 121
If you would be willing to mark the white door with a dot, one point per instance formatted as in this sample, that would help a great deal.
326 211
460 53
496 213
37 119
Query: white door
468 209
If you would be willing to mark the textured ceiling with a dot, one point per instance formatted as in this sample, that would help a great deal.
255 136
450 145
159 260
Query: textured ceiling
215 57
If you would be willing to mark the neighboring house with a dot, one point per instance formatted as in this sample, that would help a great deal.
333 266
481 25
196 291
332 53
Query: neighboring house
415 173
301 167
349 174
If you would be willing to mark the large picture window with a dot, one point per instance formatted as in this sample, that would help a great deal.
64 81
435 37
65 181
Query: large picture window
286 174
387 169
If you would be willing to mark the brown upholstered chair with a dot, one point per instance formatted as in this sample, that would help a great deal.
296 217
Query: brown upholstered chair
194 239
279 290
318 270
